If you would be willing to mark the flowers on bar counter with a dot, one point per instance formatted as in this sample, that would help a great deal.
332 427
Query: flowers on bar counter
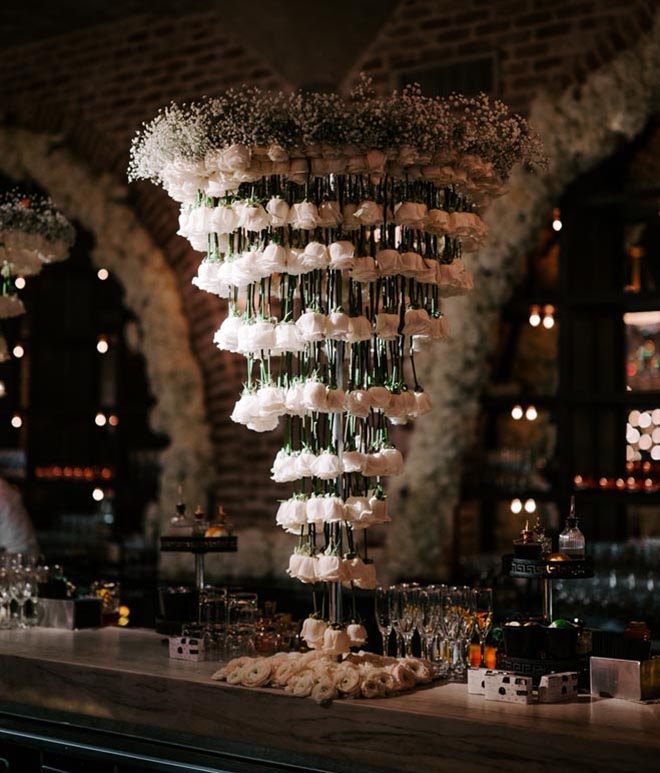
323 674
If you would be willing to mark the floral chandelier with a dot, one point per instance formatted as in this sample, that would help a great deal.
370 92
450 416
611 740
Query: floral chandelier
32 234
334 228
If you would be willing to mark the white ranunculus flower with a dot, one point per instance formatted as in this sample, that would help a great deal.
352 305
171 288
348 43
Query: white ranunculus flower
236 157
330 214
246 408
271 401
437 222
327 466
335 400
342 255
410 214
416 323
223 220
351 223
315 256
294 400
353 461
303 568
380 397
312 326
304 216
359 329
423 404
389 262
358 403
325 509
263 423
287 339
387 326
292 514
369 213
284 467
278 210
330 569
226 337
412 265
254 218
337 326
273 259
364 269
305 462
315 396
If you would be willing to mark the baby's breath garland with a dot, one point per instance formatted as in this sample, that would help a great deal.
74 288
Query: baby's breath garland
334 227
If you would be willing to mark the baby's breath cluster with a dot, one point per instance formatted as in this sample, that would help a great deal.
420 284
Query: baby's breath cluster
31 214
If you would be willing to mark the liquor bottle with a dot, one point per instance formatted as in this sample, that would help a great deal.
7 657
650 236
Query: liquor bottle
220 526
571 540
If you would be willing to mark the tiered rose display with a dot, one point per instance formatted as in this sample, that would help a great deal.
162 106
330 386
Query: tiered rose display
334 228
32 234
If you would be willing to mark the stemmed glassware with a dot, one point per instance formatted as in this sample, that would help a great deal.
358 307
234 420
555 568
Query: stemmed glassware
482 603
383 608
429 618
408 598
5 599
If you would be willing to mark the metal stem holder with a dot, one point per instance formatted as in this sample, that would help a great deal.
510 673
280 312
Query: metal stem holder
334 589
547 600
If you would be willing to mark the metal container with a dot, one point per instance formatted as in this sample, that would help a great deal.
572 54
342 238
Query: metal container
631 680
70 613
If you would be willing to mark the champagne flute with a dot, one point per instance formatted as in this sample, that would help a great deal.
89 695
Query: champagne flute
383 611
408 614
5 599
429 614
482 602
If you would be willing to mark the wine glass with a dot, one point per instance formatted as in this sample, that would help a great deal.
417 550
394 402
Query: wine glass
482 603
408 609
429 619
382 605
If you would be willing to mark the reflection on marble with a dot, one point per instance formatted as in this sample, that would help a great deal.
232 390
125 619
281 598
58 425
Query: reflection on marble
123 676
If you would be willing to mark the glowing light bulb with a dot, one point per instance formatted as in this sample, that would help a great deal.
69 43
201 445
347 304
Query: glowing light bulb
98 495
102 345
3 389
113 420
517 412
18 351
16 421
103 274
531 414
548 322
100 419
530 506
516 506
556 219
19 282
534 316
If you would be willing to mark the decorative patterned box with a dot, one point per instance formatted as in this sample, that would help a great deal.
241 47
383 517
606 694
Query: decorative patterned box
508 687
187 648
554 688
476 680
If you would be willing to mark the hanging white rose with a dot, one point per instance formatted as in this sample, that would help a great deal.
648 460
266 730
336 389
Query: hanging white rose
364 269
359 329
439 328
278 210
357 634
304 216
351 223
287 339
330 569
312 326
437 222
315 396
315 256
294 262
428 272
416 322
330 215
335 401
246 408
273 259
263 423
380 397
226 337
394 461
379 509
369 213
271 401
312 632
358 403
236 157
353 461
222 220
367 579
303 567
423 404
342 255
284 467
254 217
410 214
387 326
389 262
305 462
411 264
336 641
337 326
325 509
356 508
327 466
294 400
375 466
454 279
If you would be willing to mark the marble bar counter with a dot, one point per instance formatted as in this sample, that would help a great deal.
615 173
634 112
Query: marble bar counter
121 685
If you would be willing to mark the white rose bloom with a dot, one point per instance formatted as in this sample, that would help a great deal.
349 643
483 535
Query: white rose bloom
263 423
342 255
437 222
284 467
389 262
312 326
416 323
364 269
294 400
236 157
198 222
315 396
209 279
305 462
313 631
387 326
330 214
355 571
357 634
246 408
292 514
199 242
223 220
314 256
358 403
369 213
410 214
379 510
355 506
428 273
423 404
356 164
353 461
393 459
294 262
278 210
454 279
226 337
337 326
398 408
327 466
325 509
216 186
463 224
254 218
256 337
277 154
375 465
336 641
380 397
244 269
412 265
335 400
351 223
287 339
367 579
303 568
298 171
330 569
304 215
375 160
359 329
273 259
271 401
439 329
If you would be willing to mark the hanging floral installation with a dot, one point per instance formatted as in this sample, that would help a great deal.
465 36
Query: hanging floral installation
32 234
334 228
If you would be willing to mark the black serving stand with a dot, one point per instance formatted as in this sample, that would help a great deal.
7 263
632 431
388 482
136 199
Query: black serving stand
199 547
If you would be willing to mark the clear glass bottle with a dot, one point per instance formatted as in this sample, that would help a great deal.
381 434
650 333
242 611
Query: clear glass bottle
571 540
541 537
180 519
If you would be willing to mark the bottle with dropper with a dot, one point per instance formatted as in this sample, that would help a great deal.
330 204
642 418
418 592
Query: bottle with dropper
180 520
571 540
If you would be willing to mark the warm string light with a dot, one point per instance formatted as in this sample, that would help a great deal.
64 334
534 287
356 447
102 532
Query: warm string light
103 274
19 282
516 506
100 419
102 345
531 414
16 421
3 389
18 351
556 219
98 495
545 316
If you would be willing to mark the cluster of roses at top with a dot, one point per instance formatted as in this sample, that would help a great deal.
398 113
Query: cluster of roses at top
252 337
197 223
329 567
253 265
224 170
27 253
359 512
290 466
261 408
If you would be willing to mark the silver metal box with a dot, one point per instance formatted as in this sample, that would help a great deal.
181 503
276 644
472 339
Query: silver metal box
70 613
631 680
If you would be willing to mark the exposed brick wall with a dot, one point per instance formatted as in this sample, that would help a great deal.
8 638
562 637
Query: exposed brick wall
97 85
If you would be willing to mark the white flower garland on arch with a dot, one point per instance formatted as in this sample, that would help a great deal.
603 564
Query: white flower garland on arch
125 248
579 129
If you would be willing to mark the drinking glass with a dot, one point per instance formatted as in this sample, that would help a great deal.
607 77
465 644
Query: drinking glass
429 619
242 613
5 599
482 604
382 604
408 613
394 614
465 603
20 587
